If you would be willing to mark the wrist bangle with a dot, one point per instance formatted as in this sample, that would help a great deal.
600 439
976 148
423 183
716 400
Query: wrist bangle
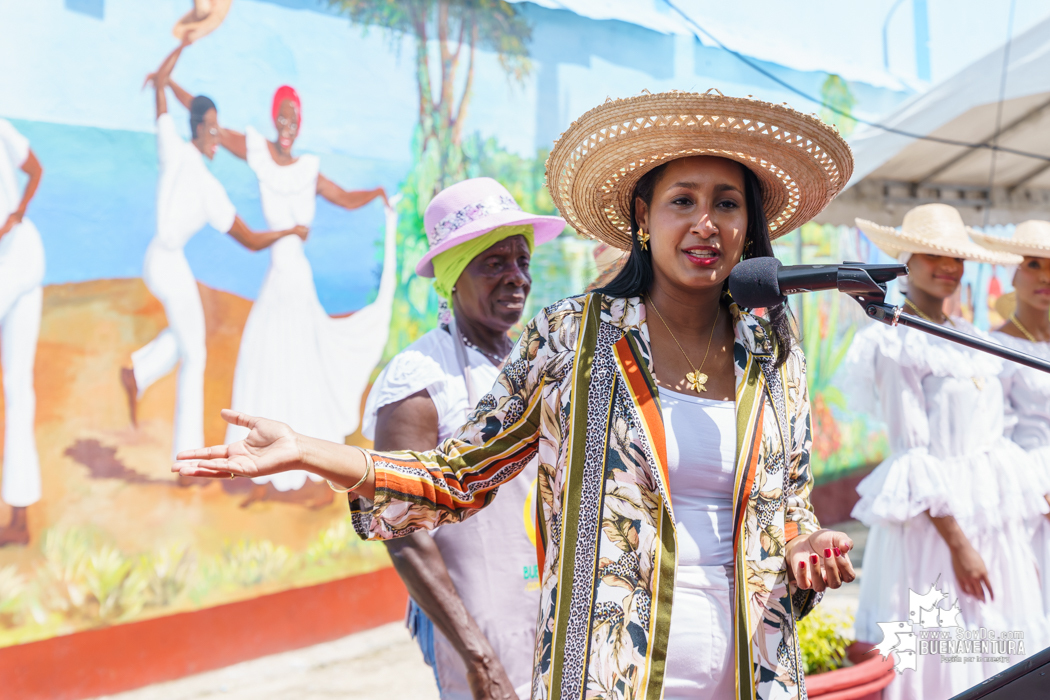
368 469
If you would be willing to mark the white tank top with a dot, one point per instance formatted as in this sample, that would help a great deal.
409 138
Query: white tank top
701 460
701 457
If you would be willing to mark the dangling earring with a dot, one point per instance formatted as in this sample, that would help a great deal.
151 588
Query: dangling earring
643 238
453 289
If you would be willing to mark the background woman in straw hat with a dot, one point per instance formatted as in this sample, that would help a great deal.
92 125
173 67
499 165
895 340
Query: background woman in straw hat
950 507
475 587
297 363
673 447
1027 391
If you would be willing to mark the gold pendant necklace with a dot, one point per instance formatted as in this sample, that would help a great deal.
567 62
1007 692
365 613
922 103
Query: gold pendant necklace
696 379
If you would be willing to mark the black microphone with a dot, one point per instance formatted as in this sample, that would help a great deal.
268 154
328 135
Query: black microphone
764 282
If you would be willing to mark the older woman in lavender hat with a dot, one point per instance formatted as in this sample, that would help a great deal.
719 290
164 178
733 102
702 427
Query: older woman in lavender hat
475 587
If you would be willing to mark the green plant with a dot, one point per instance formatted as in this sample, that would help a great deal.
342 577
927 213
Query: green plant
88 580
166 573
12 596
250 563
822 638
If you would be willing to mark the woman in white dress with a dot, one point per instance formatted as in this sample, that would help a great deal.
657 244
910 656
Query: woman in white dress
1027 390
296 361
950 508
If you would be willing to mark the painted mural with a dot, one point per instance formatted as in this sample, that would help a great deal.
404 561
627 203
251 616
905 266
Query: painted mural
216 203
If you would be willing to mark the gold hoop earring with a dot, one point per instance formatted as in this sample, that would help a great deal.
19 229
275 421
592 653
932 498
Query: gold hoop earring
643 238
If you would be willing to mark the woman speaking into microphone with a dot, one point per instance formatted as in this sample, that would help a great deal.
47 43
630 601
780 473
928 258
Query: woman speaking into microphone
951 507
678 546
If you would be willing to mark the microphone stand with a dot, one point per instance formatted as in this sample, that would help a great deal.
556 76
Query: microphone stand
871 295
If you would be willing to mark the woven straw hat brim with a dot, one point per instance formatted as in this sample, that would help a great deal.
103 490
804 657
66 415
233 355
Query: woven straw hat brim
202 20
1006 304
1011 246
893 242
801 163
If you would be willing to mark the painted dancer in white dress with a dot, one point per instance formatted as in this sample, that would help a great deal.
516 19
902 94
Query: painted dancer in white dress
21 296
951 507
295 361
188 198
1027 390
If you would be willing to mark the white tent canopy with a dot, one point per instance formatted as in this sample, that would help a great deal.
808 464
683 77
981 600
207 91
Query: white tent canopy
895 172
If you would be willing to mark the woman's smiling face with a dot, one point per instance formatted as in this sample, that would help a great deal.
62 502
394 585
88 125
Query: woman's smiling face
697 221
937 275
287 124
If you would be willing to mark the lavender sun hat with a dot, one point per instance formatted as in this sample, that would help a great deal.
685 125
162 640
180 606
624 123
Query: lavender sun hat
472 208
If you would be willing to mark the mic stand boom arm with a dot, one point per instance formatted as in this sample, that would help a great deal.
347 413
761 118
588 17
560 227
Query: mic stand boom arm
871 295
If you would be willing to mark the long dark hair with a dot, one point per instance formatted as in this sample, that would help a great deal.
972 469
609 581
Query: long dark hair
636 277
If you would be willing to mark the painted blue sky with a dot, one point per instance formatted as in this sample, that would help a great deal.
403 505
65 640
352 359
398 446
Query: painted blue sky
77 66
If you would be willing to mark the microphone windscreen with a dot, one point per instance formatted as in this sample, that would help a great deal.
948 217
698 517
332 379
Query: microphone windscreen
753 283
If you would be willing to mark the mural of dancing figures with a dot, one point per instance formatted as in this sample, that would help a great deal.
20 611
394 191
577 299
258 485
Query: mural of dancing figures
21 275
188 197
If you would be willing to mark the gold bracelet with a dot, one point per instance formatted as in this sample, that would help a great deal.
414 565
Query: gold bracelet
369 465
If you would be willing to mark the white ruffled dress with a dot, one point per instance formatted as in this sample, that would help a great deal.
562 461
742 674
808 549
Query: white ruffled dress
942 405
297 364
1027 394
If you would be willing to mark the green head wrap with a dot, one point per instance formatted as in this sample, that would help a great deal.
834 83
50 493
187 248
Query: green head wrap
448 266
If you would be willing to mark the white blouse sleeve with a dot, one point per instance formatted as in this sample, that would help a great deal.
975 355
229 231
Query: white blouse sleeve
911 481
168 140
408 373
257 152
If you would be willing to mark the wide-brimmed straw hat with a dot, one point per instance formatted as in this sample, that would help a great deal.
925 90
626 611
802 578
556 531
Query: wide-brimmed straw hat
933 229
203 19
801 163
472 208
1031 238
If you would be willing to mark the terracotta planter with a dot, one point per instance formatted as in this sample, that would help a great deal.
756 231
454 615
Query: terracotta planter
863 681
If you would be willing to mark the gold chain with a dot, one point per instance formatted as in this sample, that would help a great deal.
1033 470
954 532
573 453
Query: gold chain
911 305
1017 322
696 379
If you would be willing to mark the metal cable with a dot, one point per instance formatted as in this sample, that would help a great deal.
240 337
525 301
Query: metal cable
995 148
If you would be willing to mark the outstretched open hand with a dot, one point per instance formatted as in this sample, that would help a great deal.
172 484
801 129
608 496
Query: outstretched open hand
271 447
820 560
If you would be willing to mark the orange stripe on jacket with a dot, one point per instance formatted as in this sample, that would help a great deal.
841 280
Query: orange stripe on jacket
752 468
643 397
426 490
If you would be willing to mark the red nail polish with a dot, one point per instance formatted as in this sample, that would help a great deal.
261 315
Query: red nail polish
813 558
802 565
827 554
838 552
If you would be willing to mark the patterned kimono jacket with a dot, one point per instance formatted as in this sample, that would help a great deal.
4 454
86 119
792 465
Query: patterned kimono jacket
578 390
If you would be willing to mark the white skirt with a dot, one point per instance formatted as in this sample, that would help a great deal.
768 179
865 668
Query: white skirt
300 366
912 556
